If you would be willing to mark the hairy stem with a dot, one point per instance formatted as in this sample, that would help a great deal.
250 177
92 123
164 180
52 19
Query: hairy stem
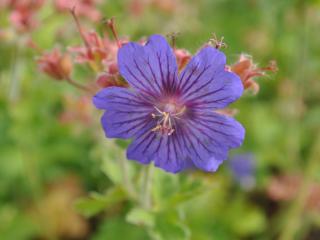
146 199
78 85
295 213
125 176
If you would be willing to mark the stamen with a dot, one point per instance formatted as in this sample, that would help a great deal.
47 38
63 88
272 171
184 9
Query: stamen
165 122
216 42
180 112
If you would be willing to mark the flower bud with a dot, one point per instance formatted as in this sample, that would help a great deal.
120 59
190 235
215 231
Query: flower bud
183 57
106 80
55 64
247 70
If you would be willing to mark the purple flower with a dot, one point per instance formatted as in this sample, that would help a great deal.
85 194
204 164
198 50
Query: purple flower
170 116
243 169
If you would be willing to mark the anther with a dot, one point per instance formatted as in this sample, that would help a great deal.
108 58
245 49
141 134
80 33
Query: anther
217 43
166 120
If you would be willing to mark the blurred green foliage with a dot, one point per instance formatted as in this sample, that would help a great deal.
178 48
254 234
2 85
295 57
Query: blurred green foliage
40 153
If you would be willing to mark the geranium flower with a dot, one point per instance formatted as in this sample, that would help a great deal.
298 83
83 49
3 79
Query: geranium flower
171 116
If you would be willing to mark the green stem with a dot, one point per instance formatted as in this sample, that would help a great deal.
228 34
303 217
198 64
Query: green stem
125 176
78 85
15 73
147 187
295 213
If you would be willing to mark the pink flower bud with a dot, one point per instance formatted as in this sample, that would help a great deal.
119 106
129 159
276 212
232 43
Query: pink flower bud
183 57
55 64
113 68
247 71
22 15
105 80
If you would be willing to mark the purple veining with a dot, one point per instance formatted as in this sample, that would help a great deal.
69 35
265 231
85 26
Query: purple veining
170 116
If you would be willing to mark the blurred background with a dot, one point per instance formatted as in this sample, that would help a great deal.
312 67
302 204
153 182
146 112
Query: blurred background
61 179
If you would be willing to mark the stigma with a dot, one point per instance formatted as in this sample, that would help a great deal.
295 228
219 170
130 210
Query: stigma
167 118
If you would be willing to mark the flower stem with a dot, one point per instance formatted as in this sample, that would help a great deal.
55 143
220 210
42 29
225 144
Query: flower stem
294 224
111 24
75 17
16 69
125 176
147 187
78 85
294 215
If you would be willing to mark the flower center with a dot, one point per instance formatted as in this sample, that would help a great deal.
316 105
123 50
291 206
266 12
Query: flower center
167 117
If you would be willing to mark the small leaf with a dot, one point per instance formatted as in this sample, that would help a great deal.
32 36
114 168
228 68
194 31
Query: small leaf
167 228
117 228
141 217
95 203
111 168
255 222
122 143
187 192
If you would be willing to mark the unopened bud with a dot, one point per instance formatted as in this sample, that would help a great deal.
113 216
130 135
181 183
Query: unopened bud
55 64
247 71
183 57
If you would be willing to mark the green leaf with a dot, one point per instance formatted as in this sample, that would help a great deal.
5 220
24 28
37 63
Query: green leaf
112 169
112 157
117 228
171 229
189 189
140 217
95 203
122 143
254 222
16 224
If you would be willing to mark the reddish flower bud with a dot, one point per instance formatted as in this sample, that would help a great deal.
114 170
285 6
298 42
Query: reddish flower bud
105 80
247 71
22 15
98 52
113 68
55 64
22 20
183 57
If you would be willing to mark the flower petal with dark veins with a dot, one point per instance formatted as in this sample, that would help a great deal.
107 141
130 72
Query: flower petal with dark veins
171 119
150 69
205 84
125 113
